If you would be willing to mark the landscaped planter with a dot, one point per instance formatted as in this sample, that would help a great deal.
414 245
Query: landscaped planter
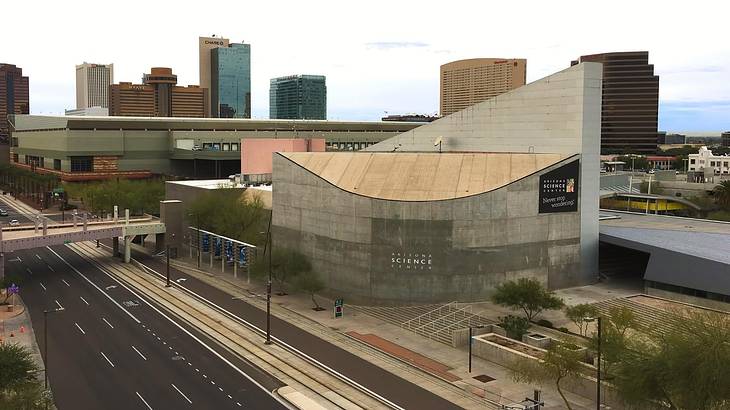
537 340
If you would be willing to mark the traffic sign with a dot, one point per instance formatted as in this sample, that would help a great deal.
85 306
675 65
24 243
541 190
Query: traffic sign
339 303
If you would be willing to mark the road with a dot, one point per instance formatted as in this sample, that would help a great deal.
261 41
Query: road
381 381
110 349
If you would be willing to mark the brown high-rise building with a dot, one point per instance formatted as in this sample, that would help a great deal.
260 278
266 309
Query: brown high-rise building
159 96
205 47
468 82
14 96
630 103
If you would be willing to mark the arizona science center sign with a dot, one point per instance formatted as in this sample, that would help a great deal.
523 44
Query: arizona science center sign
559 189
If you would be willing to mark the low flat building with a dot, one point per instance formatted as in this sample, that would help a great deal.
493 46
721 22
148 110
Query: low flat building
411 118
87 148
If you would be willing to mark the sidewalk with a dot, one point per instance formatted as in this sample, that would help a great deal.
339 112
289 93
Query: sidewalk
16 327
427 363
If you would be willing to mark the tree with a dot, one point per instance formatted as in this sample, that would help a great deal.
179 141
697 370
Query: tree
528 295
286 265
579 313
615 335
685 366
229 213
722 195
514 326
558 363
310 283
16 366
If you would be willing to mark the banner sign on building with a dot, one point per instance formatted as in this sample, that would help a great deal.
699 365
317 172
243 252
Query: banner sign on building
339 303
559 189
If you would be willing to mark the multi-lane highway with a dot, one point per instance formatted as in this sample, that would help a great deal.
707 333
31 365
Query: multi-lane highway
393 388
110 348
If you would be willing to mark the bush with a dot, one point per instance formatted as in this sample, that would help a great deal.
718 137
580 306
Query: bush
515 326
545 323
564 329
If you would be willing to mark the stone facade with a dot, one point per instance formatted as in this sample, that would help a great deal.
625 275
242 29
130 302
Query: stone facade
372 250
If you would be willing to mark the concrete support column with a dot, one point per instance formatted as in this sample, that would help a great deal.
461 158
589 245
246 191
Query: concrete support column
127 249
126 216
159 242
45 227
2 265
115 246
116 213
86 222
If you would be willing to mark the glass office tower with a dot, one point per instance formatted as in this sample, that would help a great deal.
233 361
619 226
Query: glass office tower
231 81
298 97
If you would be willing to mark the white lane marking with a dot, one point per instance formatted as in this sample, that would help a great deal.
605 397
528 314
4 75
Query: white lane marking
212 382
221 389
107 359
64 281
230 397
44 288
38 256
239 404
94 285
84 300
181 393
51 268
107 322
59 305
197 370
192 336
82 330
143 400
29 271
205 375
139 353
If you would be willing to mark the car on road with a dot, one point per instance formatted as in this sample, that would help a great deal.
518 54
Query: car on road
3 212
14 222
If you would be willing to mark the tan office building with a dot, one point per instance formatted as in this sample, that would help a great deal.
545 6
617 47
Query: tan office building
159 96
468 82
92 85
205 45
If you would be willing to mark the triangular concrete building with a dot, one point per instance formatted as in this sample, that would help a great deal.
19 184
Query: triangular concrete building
558 114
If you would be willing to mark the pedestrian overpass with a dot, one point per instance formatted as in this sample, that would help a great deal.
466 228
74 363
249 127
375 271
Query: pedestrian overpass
40 234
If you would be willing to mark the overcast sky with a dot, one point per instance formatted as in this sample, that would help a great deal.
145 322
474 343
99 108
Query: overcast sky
378 56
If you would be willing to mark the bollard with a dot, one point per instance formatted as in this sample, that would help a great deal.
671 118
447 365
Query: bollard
126 216
86 227
116 213
45 227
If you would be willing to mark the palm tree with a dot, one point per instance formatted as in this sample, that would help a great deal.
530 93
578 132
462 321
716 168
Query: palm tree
722 195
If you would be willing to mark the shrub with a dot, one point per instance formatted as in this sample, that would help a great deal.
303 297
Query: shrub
545 323
564 329
515 326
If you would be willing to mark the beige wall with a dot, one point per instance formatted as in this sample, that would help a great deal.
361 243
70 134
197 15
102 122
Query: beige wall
468 82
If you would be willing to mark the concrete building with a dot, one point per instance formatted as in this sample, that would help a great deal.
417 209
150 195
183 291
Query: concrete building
14 96
205 46
468 82
85 148
89 112
257 154
705 161
630 102
159 96
230 86
514 194
92 85
665 138
725 139
302 97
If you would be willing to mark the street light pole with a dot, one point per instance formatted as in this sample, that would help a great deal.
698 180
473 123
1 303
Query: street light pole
167 253
268 283
471 334
598 366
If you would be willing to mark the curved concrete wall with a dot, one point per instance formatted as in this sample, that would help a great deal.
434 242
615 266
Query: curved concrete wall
405 252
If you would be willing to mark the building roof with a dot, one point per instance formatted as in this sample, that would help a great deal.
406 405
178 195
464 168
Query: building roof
421 176
44 122
684 251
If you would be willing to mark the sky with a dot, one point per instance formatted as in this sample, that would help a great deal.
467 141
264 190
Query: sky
378 56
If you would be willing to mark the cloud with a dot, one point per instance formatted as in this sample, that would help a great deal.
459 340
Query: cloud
390 45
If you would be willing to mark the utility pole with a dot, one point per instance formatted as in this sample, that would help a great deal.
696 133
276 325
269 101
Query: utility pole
268 283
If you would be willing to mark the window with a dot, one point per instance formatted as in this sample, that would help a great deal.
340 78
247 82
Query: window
82 164
226 146
57 164
712 163
692 161
234 146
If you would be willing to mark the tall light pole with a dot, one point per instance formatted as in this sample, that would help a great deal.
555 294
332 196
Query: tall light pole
45 340
471 333
598 362
167 253
269 242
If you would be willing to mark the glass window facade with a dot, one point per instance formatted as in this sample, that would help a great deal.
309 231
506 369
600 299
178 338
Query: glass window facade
231 81
298 97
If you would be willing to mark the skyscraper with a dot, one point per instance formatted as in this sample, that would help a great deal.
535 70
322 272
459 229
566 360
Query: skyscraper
468 82
298 97
205 46
230 88
630 103
92 84
159 96
14 96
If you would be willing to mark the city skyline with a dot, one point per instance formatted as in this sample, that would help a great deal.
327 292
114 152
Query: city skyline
397 65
